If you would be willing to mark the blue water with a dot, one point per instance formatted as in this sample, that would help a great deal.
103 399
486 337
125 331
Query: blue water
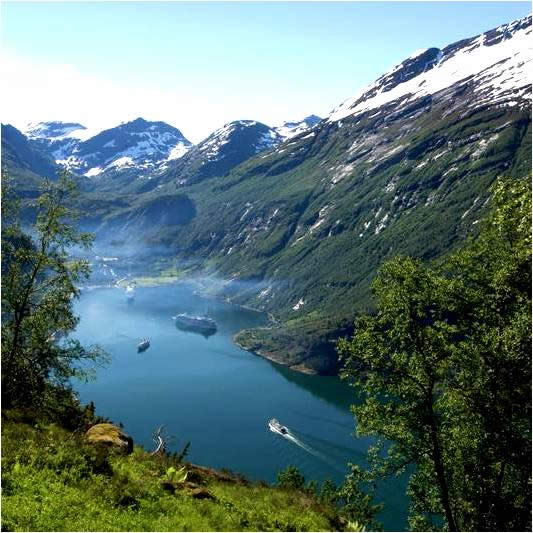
215 395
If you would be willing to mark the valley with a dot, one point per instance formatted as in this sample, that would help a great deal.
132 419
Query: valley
295 220
266 266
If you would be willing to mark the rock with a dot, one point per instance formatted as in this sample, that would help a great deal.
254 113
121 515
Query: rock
201 494
111 436
172 487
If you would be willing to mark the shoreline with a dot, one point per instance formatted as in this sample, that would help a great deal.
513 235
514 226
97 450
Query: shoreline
298 367
203 291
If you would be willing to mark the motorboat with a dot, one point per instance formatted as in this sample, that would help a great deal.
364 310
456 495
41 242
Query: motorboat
143 345
276 427
201 324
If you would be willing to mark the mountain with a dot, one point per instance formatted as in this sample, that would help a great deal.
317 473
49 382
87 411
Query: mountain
492 63
403 167
139 156
138 144
299 227
221 151
26 164
290 129
60 140
55 130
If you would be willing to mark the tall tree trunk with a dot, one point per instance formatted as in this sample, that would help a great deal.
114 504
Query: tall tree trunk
439 469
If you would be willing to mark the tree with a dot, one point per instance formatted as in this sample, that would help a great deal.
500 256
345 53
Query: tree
38 287
444 367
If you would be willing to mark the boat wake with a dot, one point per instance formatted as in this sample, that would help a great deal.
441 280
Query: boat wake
287 434
305 446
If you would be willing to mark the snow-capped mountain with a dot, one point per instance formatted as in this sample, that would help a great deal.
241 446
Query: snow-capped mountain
224 149
290 129
258 136
498 63
139 143
58 139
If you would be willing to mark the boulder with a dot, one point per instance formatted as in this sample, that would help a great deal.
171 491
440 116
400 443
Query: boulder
111 436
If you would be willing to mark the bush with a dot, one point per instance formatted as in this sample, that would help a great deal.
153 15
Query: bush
291 478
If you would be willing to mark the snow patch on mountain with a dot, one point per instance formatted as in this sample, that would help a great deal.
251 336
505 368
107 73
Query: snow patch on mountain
58 131
298 304
212 145
287 130
94 172
267 140
121 162
499 62
178 151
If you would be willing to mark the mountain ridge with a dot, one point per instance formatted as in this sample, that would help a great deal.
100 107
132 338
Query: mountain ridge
298 227
309 222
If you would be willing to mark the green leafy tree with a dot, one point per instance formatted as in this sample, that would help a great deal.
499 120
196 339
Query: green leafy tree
291 478
39 280
444 367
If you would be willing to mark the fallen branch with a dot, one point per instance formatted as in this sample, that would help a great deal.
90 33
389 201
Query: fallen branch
160 440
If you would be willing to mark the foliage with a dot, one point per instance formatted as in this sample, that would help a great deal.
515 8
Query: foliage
445 368
176 476
328 492
38 285
291 478
52 480
357 504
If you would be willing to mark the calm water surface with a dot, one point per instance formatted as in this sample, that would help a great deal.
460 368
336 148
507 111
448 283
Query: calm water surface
212 393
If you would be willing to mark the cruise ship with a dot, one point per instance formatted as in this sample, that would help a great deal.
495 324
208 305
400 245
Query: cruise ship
201 324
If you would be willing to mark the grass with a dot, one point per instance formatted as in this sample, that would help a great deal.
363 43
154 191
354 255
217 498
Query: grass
54 481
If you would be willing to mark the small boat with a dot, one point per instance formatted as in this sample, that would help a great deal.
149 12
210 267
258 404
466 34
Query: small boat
276 427
201 324
130 293
143 345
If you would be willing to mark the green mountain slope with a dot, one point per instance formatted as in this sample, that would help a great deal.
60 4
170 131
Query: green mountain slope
404 167
317 232
26 164
311 221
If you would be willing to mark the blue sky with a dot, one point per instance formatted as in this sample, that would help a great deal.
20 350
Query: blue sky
199 65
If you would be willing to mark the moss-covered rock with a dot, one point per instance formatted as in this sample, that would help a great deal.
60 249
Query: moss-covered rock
111 436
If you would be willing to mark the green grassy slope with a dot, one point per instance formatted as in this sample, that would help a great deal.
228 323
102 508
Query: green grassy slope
53 481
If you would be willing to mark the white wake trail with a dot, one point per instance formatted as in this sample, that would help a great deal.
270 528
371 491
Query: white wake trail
298 442
309 449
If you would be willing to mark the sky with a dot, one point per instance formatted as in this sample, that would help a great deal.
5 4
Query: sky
199 65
